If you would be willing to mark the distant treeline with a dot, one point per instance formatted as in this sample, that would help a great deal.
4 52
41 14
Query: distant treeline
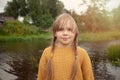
40 12
43 12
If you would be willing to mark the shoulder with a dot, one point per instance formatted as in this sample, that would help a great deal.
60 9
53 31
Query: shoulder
47 49
81 50
46 52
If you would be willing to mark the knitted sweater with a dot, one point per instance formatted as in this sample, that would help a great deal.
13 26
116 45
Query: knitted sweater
62 62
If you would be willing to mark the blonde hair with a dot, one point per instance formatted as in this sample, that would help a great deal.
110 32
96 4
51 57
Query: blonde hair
61 21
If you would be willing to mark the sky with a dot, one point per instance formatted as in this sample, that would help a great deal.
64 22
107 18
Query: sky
71 5
3 4
75 5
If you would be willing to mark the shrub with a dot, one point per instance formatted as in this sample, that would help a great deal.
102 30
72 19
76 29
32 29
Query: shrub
113 53
15 27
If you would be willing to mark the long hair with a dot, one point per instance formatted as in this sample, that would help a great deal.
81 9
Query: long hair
61 21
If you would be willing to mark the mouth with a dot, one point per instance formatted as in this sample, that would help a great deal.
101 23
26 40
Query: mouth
65 39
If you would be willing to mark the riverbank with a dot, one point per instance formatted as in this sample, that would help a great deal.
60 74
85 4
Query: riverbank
87 36
100 36
17 38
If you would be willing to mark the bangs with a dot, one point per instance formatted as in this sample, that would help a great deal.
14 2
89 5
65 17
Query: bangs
63 22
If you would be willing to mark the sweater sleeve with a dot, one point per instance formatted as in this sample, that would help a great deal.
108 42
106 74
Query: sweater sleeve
42 66
87 67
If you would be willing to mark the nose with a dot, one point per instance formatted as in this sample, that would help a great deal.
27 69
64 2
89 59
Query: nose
65 32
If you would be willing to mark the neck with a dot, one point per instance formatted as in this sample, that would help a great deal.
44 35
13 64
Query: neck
63 45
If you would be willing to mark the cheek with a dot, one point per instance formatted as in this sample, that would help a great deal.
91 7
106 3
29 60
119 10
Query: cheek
72 35
57 34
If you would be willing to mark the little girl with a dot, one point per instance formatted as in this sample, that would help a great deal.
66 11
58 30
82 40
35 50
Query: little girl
64 60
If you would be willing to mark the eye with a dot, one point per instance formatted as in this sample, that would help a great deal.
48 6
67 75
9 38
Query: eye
69 29
61 29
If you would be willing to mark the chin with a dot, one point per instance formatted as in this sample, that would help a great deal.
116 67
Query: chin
65 43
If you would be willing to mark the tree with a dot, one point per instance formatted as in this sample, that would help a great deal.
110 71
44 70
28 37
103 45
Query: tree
16 8
12 9
95 18
59 6
39 12
42 12
116 17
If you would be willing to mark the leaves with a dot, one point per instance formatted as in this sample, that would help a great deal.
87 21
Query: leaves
41 12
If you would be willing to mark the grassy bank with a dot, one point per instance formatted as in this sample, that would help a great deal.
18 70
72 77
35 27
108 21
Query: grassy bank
100 36
42 36
87 36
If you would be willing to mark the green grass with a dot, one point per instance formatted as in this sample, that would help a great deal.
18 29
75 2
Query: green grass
86 36
100 36
113 53
42 36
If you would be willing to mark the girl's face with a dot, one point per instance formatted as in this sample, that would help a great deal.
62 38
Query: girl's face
65 35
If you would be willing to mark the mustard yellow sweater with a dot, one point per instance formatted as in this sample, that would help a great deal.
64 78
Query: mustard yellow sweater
62 62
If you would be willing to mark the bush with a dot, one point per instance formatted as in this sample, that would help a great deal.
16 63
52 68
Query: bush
113 53
15 27
44 21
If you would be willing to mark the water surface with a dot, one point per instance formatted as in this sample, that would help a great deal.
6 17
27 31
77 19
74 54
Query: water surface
19 60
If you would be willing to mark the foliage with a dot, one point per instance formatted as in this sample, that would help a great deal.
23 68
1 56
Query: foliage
16 8
38 10
15 27
95 18
27 20
78 20
116 17
45 21
113 53
43 14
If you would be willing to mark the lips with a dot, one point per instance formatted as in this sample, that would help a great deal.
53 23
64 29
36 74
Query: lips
65 39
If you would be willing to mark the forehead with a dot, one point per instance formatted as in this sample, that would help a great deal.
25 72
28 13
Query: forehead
66 24
64 21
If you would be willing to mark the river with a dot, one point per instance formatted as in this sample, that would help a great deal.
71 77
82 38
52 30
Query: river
19 60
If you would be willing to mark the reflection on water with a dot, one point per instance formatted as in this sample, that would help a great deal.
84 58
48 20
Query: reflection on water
101 71
102 68
23 68
19 60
